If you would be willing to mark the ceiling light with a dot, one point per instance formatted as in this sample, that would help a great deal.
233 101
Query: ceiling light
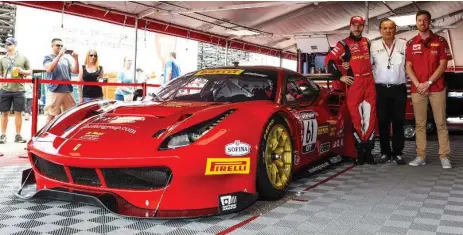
241 32
404 20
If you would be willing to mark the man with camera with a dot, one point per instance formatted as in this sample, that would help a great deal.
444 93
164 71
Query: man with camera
59 68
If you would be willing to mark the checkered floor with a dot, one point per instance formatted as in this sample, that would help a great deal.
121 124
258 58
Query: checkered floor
383 199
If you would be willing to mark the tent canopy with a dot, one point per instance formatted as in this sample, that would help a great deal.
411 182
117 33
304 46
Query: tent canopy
258 26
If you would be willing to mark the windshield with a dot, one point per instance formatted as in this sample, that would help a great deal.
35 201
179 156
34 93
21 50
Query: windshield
222 85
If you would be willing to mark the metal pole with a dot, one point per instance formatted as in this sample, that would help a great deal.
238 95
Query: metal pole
367 25
35 104
281 59
226 53
136 52
450 45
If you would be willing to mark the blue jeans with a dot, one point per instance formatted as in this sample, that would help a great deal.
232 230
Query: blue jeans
119 97
88 99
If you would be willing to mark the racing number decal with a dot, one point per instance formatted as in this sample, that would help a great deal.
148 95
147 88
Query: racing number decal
310 131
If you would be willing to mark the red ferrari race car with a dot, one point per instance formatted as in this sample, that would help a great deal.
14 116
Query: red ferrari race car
210 142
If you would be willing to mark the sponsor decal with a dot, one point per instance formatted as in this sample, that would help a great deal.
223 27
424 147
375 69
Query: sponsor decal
92 135
358 57
331 161
416 52
323 130
76 147
417 47
325 147
335 159
354 47
227 166
256 74
338 143
310 129
220 71
297 158
114 128
237 148
228 202
126 119
434 52
435 44
341 129
332 131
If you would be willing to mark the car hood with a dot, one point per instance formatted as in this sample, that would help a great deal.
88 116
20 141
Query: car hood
144 120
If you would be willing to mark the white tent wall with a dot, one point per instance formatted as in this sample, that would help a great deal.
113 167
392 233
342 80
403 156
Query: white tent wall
36 28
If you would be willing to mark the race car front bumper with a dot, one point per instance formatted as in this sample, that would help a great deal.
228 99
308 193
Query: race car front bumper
116 204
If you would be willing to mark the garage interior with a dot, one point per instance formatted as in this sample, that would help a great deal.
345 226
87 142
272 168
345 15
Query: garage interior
343 199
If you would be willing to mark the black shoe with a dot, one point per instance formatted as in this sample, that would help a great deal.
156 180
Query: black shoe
360 155
383 159
369 158
399 160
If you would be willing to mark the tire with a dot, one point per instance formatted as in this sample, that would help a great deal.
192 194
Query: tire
431 127
409 130
275 164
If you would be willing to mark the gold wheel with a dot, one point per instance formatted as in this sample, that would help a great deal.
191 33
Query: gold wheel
278 157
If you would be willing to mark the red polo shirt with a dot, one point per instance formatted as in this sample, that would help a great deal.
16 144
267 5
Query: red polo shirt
425 56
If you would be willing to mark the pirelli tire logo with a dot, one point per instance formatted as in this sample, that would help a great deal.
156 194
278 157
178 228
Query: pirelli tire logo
228 166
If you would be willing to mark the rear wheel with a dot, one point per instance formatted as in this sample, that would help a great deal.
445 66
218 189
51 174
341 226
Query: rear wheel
409 130
275 164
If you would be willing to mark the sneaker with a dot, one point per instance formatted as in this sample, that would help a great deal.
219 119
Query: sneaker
19 139
383 159
445 163
399 160
3 139
417 162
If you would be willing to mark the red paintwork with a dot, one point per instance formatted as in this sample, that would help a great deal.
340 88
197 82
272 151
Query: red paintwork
190 188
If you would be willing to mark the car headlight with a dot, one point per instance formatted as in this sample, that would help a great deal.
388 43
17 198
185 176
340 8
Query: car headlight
193 133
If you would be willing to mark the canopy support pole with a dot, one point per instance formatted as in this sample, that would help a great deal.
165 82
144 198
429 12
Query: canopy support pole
136 52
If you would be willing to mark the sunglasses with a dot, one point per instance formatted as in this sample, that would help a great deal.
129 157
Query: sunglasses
8 44
92 55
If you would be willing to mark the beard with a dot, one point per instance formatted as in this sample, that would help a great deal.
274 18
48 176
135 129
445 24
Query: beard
423 28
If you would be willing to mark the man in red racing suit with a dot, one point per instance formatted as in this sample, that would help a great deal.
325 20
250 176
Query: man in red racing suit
361 91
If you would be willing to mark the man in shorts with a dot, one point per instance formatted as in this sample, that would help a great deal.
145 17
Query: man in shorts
13 66
59 68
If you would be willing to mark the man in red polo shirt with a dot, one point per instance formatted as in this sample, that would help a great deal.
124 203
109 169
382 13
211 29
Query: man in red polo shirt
427 55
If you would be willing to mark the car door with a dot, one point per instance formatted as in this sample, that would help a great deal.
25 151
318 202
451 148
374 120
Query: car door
301 95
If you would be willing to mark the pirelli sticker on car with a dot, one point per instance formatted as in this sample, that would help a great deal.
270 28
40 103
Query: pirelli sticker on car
237 149
227 166
309 133
220 71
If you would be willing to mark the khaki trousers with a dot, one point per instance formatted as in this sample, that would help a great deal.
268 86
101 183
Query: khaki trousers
420 109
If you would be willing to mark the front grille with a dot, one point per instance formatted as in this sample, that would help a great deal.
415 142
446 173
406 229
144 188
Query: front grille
137 178
85 176
50 169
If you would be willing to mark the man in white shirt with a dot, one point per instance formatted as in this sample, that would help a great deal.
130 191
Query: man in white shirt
388 60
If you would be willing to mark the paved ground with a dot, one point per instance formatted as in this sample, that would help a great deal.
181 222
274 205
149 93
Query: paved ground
383 199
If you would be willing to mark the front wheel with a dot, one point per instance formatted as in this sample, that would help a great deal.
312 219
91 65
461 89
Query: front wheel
409 130
275 163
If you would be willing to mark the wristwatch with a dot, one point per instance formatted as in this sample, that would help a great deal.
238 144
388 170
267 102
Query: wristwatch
430 82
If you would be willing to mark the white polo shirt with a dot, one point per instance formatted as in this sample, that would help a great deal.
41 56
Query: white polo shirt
380 55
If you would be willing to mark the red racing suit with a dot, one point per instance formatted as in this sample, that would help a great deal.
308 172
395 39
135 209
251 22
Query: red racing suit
361 96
